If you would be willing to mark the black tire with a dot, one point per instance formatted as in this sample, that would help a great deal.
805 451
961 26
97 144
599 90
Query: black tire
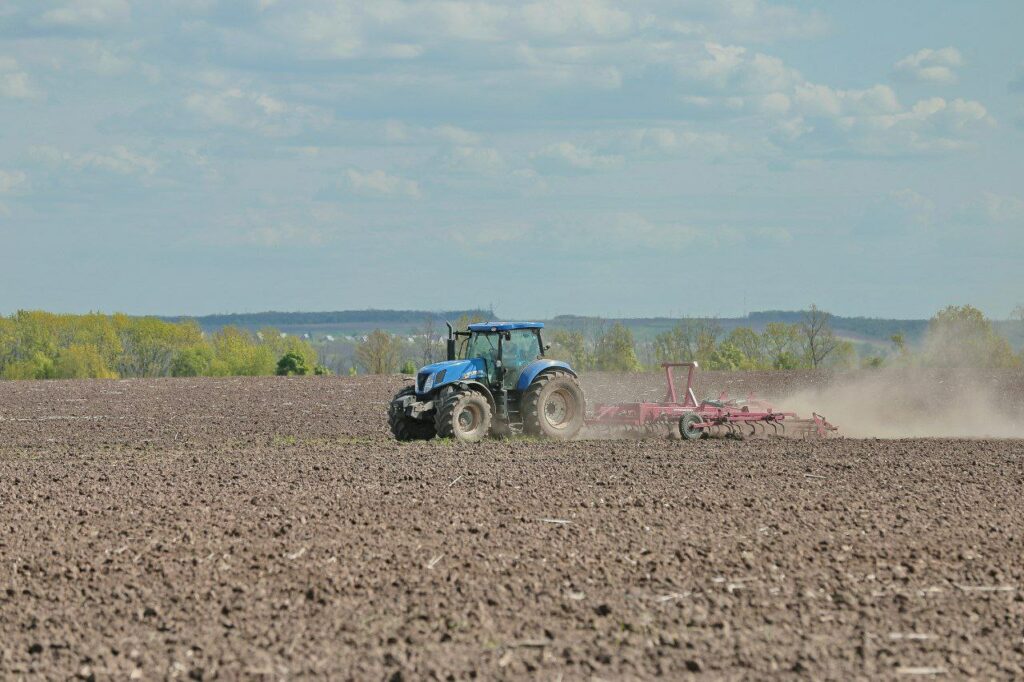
686 426
404 427
464 415
553 406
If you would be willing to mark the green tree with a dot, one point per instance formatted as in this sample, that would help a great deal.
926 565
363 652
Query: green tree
380 353
571 346
692 339
39 366
781 344
192 362
819 341
844 356
408 367
81 361
150 344
961 336
283 344
239 353
727 357
750 344
292 363
615 350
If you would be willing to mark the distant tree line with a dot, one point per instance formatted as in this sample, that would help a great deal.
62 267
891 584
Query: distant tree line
272 318
954 337
41 345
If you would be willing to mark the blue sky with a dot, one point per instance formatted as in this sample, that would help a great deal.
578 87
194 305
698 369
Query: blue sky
651 157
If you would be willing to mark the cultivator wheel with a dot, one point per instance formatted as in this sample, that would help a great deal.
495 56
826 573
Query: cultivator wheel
687 429
464 415
404 427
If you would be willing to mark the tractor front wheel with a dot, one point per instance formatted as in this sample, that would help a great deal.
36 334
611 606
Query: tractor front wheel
404 427
553 406
464 415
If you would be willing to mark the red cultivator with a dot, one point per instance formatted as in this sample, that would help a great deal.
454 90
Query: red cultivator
722 417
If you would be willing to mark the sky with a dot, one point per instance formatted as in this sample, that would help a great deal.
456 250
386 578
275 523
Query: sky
640 158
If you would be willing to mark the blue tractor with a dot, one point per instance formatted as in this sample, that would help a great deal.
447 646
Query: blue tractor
496 381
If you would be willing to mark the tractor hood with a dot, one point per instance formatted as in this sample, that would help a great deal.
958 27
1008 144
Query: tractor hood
441 373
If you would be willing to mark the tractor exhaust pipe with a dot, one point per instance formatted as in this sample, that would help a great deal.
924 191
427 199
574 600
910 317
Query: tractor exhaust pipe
451 340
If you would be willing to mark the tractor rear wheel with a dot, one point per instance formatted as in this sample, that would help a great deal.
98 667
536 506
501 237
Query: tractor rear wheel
404 427
464 415
686 426
553 406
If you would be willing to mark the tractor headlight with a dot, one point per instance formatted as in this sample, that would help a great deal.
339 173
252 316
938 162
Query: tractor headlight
428 384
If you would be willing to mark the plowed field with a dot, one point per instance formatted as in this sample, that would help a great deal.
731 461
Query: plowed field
270 527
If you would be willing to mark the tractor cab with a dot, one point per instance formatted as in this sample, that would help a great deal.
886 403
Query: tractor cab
504 348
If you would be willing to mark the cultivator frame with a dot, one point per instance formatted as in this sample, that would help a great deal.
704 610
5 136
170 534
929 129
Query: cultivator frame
722 417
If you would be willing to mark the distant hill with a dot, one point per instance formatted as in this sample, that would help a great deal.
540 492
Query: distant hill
868 330
337 321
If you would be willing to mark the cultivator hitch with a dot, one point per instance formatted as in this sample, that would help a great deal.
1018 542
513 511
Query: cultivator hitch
722 417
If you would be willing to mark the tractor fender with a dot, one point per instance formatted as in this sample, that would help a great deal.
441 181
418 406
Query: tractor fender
475 386
535 369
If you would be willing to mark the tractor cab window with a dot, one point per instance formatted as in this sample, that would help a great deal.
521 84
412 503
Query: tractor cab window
481 346
521 347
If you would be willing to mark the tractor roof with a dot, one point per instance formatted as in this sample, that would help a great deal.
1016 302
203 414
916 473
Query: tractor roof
504 326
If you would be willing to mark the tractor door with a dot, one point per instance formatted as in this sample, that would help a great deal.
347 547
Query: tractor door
520 348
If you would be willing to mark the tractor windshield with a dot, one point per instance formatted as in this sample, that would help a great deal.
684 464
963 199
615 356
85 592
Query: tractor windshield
481 346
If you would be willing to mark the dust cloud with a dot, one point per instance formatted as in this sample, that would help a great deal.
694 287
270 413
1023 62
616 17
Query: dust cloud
917 403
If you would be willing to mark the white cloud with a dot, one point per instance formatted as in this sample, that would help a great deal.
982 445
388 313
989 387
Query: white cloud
14 82
481 238
576 17
381 184
919 208
564 156
254 111
636 230
735 68
931 66
482 160
995 209
820 100
278 235
118 159
87 13
13 182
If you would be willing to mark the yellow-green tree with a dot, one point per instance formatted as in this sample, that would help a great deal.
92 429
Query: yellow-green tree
380 353
571 346
82 361
150 344
283 344
616 351
237 352
692 339
750 344
781 344
961 336
819 340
